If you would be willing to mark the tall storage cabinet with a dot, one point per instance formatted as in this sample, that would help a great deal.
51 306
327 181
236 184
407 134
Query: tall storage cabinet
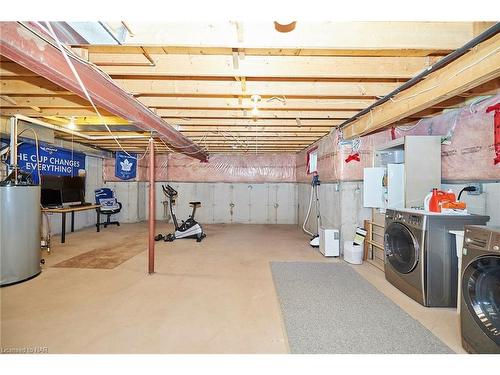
405 171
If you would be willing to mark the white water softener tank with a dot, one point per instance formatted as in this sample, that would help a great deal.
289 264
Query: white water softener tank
20 217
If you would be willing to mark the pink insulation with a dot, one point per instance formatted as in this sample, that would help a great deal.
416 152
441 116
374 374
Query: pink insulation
233 168
467 154
467 150
332 155
220 168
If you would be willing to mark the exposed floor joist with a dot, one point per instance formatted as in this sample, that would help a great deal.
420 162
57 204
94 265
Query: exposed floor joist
480 65
310 83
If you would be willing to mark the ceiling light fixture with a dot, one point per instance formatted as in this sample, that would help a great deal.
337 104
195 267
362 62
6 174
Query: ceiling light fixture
255 100
71 124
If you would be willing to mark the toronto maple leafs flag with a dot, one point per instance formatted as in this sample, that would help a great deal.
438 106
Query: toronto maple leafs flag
125 165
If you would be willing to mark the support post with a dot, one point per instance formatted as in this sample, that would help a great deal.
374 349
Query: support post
13 146
151 245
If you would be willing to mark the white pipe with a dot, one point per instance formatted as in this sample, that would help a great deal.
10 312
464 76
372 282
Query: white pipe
308 212
77 133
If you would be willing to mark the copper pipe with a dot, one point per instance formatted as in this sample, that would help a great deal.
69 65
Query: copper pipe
151 245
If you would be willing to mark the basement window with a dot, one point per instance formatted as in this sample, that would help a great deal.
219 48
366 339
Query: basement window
312 160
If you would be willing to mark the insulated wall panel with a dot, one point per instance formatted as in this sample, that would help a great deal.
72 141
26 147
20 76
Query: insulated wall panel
222 201
259 203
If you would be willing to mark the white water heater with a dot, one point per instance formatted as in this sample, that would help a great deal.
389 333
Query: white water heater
329 242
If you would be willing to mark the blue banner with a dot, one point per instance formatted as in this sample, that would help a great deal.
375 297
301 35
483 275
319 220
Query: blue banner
125 165
53 160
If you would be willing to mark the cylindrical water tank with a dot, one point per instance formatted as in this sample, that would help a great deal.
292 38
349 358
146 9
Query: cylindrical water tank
20 217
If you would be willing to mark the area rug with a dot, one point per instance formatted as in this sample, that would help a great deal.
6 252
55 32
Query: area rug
102 258
330 308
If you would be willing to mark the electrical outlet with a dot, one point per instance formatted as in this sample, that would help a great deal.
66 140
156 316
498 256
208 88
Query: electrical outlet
479 189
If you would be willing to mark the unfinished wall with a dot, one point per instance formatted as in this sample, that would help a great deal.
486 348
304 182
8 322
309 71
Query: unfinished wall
249 203
467 156
253 189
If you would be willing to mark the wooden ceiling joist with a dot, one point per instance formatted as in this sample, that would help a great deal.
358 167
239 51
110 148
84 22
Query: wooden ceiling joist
261 66
480 65
182 121
263 114
268 88
276 103
310 81
352 36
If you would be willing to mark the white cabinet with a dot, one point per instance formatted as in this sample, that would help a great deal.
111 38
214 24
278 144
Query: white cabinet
395 185
373 189
404 171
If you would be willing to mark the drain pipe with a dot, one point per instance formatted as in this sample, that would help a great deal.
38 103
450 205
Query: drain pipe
492 31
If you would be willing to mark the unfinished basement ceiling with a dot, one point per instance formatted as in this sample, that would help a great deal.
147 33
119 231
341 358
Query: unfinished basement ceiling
200 78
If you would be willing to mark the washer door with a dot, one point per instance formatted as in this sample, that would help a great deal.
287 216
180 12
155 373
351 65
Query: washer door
401 247
481 293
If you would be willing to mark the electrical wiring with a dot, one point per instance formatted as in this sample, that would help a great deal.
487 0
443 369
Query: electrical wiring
450 78
62 48
37 152
477 101
282 99
404 128
82 86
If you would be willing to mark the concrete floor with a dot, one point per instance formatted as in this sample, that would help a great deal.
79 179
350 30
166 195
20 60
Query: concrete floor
211 297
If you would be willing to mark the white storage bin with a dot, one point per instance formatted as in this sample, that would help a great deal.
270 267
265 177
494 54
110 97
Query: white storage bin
353 253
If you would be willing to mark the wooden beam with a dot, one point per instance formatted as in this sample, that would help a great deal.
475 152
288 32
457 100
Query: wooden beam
256 51
39 54
365 36
263 114
10 111
28 86
276 103
90 120
71 101
262 66
249 122
265 129
476 67
277 136
173 86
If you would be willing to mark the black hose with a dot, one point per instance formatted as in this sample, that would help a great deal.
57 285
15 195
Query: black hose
467 188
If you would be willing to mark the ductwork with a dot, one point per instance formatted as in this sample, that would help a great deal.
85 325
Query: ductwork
40 54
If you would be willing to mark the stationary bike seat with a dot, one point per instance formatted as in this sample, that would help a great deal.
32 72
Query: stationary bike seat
197 204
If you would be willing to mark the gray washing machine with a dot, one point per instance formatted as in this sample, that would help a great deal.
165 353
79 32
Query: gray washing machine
420 255
480 300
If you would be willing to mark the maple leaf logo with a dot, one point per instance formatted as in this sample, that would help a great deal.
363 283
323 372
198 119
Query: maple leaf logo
126 165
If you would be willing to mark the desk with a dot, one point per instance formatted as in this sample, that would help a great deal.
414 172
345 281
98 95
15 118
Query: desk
63 211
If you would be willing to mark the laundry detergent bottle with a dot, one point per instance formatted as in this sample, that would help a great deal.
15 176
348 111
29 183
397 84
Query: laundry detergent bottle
434 205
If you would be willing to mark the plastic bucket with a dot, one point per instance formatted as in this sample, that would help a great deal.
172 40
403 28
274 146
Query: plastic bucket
353 253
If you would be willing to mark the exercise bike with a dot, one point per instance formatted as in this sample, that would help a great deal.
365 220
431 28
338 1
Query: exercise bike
187 229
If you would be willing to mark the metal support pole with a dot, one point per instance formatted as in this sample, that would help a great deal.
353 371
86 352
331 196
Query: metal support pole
151 247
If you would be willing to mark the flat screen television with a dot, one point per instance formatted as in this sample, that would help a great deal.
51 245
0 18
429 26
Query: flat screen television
62 190
73 190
